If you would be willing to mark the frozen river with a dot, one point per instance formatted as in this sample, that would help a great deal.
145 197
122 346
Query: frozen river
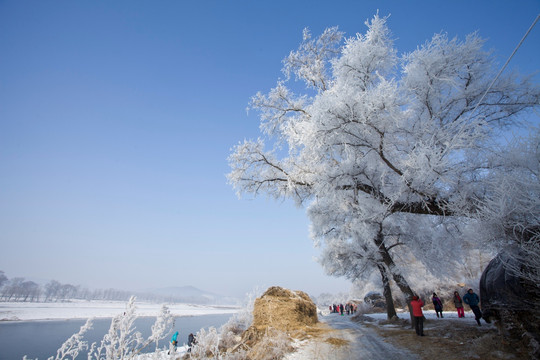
41 339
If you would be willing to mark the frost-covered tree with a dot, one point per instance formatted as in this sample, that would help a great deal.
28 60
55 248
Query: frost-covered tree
29 291
52 290
377 141
13 289
509 212
3 278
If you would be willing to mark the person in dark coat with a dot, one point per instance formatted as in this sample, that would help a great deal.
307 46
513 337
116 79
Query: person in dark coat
418 315
471 299
191 341
459 305
437 303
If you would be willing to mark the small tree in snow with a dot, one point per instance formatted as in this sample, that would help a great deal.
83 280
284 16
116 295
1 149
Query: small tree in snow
123 342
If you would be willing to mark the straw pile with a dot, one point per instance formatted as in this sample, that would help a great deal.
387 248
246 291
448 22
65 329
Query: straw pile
284 310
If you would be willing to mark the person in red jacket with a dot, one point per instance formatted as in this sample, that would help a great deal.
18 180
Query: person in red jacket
418 315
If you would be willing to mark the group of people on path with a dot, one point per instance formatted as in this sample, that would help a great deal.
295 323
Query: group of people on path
174 341
349 308
470 298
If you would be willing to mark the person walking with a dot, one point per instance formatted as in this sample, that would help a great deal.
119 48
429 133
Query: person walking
191 341
459 305
174 343
418 315
437 303
471 299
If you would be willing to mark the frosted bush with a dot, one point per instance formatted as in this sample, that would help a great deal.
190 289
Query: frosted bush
74 345
274 345
207 346
121 341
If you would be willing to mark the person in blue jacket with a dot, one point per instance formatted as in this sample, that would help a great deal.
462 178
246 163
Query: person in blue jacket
471 299
174 340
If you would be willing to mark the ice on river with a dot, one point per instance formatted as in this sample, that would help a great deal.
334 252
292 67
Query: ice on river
13 311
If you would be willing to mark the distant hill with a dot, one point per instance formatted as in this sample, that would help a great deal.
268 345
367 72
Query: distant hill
193 295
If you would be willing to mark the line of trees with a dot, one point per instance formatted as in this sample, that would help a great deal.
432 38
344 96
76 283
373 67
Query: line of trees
18 289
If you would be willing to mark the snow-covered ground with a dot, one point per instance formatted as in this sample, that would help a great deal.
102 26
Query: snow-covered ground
428 314
13 311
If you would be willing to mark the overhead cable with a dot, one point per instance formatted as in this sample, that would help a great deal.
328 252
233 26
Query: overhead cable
507 61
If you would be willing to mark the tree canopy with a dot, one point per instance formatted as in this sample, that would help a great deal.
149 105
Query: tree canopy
378 141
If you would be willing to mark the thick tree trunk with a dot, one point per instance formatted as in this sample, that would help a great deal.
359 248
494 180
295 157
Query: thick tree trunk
387 291
400 281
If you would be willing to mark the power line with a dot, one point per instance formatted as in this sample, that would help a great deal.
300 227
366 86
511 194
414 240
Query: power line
507 61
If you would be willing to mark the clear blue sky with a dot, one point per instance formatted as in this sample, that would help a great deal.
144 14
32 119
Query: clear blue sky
117 118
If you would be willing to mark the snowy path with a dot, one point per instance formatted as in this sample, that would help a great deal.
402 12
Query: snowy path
363 343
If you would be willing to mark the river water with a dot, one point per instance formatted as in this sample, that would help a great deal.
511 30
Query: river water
41 339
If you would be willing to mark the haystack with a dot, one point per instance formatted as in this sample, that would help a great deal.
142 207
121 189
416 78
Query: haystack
280 310
279 316
284 310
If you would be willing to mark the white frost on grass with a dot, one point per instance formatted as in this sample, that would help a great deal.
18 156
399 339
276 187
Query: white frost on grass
12 311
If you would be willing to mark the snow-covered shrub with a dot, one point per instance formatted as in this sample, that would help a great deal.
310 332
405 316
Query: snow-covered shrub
121 341
215 344
207 346
231 333
273 345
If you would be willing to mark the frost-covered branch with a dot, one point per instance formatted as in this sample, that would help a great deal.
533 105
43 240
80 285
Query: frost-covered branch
310 61
255 170
75 344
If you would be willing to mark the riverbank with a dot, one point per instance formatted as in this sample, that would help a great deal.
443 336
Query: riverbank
17 311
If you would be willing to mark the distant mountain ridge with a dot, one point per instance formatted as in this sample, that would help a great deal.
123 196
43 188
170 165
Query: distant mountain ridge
191 294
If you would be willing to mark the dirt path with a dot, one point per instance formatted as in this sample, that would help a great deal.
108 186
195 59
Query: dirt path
350 340
449 339
369 338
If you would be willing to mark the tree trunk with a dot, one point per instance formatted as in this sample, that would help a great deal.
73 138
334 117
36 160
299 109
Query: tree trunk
398 278
387 291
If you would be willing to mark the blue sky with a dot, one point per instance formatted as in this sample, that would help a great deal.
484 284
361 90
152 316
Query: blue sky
117 118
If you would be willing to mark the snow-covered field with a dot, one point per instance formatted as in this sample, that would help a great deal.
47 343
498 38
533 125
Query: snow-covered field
13 311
